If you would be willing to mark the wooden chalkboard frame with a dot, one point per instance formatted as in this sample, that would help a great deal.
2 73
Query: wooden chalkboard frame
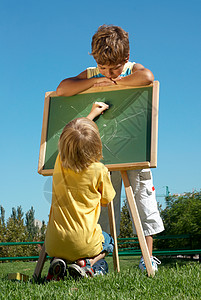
113 167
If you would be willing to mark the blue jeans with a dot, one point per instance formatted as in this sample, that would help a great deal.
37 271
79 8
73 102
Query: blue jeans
108 244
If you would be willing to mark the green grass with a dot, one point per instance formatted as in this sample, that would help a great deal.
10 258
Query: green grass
176 279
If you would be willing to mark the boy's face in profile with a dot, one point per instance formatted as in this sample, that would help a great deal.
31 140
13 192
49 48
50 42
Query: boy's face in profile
111 71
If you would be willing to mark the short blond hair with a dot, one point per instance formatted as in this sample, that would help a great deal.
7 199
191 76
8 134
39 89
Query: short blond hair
80 144
110 45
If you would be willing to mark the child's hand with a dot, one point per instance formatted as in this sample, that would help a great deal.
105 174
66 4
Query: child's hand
97 109
117 79
103 81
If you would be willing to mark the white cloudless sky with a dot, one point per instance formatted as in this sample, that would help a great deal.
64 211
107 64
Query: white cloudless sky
43 42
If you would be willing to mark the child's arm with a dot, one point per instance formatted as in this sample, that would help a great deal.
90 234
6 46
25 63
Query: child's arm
140 76
97 109
74 85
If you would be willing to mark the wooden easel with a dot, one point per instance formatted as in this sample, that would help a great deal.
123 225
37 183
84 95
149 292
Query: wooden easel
152 163
137 222
43 254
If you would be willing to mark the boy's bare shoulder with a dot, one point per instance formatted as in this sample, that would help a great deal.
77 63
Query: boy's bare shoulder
82 75
137 67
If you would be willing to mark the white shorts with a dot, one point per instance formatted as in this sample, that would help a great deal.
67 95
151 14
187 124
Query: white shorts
144 192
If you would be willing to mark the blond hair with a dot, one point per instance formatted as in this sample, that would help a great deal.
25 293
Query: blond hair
80 144
110 45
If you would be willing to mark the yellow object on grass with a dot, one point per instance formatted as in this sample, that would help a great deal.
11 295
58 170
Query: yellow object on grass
18 277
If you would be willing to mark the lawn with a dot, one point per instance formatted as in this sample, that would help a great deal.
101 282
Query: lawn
176 279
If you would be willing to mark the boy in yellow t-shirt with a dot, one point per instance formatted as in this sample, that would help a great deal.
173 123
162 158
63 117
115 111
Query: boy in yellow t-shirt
81 184
110 49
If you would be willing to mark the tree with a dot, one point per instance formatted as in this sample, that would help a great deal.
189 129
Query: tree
2 218
183 216
30 225
2 230
126 229
43 231
2 224
16 232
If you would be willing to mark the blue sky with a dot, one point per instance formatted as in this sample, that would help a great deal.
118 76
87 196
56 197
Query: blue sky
43 42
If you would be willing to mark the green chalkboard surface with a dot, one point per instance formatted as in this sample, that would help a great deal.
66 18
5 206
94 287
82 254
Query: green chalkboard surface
125 128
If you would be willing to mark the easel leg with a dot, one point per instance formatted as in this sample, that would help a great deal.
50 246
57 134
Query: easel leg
137 222
40 264
114 235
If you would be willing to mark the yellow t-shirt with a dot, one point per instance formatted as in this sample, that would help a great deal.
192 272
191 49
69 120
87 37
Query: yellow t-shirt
73 231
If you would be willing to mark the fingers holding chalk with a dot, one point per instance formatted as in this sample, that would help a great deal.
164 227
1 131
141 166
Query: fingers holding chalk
100 106
97 109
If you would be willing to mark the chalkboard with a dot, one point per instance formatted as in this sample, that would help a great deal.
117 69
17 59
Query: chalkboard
128 129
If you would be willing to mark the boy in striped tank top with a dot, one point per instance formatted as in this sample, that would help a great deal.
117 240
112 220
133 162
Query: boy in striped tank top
110 49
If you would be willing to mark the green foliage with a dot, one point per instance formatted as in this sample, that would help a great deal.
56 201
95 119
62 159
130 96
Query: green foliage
2 224
126 229
2 227
2 217
30 226
42 231
16 229
182 216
